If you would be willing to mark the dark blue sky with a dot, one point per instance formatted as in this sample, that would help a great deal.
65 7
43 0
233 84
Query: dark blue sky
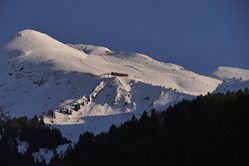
199 35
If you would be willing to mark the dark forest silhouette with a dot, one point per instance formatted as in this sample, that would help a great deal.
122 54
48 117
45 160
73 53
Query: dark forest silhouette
210 130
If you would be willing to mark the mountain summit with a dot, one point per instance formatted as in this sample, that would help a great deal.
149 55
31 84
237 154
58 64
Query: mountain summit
88 86
30 47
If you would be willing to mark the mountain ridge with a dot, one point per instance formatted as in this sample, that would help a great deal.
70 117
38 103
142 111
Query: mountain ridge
40 75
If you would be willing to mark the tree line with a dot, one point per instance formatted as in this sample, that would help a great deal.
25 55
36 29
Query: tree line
211 130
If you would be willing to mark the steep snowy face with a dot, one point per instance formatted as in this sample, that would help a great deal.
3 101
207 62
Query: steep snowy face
233 78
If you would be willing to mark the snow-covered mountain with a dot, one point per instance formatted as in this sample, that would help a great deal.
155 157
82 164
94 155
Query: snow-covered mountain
84 87
233 78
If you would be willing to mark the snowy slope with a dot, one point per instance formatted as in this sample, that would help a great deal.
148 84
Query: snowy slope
233 78
36 48
90 49
145 69
42 76
32 48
